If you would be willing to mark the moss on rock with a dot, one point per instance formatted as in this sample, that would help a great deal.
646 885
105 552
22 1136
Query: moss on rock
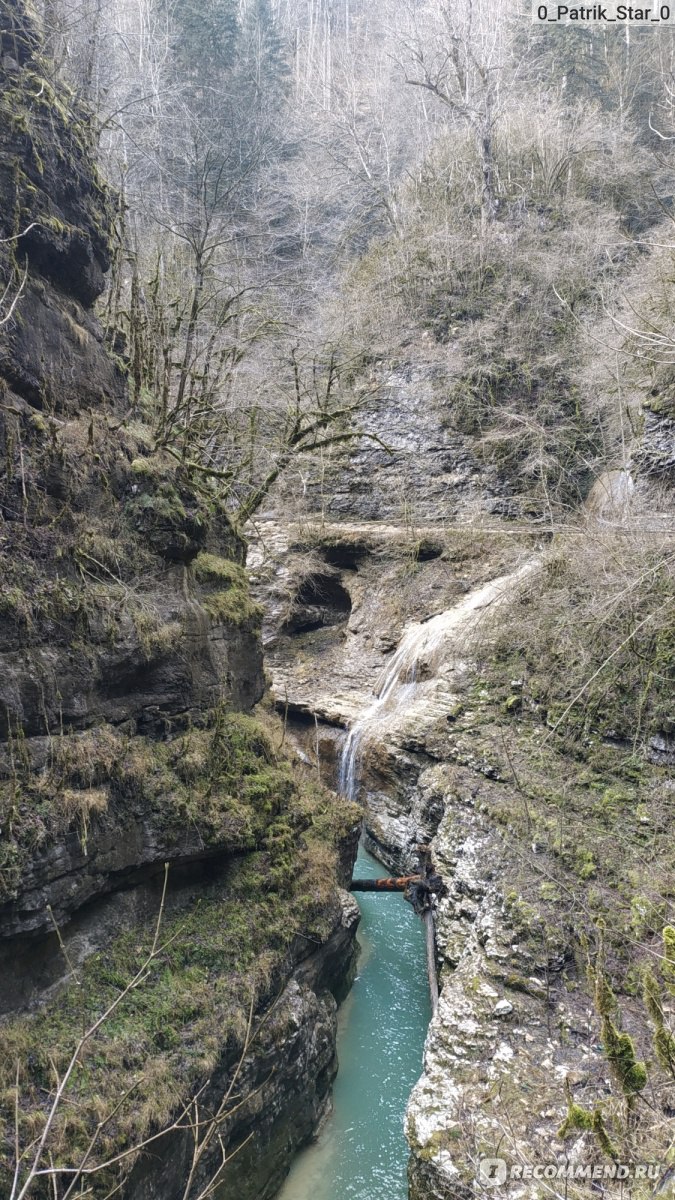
219 956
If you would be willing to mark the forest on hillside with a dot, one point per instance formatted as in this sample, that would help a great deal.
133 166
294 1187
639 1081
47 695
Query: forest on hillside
301 186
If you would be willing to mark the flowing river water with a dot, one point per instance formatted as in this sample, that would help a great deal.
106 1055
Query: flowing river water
361 1153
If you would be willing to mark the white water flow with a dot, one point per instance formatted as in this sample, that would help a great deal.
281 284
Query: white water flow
427 649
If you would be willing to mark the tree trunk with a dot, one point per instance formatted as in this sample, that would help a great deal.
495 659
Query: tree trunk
384 885
489 198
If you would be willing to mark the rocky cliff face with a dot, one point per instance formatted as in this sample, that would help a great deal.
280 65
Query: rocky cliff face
530 742
111 559
288 1076
130 658
458 754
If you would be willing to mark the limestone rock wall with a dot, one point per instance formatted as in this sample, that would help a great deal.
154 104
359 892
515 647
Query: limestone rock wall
540 843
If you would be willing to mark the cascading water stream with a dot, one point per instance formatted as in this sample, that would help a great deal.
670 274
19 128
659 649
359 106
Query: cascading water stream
394 687
425 647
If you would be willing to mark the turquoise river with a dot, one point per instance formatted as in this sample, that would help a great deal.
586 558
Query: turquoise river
361 1153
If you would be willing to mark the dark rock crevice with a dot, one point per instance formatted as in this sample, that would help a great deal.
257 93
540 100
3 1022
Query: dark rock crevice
321 601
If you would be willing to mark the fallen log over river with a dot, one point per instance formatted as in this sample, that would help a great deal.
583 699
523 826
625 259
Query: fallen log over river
385 885
420 891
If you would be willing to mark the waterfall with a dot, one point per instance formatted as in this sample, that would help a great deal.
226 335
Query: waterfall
348 761
411 674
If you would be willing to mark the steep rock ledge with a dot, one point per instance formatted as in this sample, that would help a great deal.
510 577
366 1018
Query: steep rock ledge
288 1074
125 618
511 1024
130 658
543 841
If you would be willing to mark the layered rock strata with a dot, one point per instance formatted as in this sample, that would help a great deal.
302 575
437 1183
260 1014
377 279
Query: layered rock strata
130 661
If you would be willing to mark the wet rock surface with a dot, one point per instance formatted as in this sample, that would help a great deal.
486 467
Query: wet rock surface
103 636
55 217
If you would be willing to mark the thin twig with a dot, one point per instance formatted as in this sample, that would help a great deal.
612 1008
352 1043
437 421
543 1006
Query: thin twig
139 978
160 914
518 784
602 666
62 945
8 315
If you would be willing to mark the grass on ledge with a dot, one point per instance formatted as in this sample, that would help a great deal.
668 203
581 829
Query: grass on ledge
230 947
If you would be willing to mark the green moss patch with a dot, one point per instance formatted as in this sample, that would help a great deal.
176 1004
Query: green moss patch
218 956
231 603
224 782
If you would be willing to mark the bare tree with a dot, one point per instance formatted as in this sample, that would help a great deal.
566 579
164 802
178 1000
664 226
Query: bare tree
460 53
